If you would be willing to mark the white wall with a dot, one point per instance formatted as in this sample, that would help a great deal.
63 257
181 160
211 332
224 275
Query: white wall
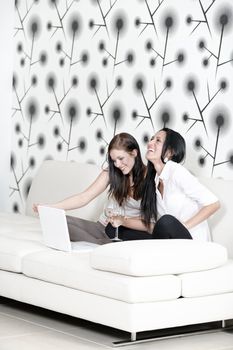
6 68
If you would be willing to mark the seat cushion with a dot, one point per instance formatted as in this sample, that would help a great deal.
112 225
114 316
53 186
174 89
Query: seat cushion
12 251
73 270
20 226
214 281
158 257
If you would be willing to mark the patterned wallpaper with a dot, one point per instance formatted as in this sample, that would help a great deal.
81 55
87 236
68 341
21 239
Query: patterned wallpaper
86 70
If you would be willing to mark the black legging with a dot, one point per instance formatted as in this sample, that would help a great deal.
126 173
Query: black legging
167 227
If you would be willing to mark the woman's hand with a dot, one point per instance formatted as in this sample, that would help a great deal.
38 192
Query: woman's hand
117 221
35 207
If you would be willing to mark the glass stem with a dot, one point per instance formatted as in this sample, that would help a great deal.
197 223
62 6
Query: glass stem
116 233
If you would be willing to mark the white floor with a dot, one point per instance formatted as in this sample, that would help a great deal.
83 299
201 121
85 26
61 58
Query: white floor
26 328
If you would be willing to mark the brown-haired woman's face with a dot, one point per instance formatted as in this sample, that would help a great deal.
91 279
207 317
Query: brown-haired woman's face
123 160
155 146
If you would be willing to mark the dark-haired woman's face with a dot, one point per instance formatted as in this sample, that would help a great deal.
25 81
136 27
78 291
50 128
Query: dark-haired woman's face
123 160
155 146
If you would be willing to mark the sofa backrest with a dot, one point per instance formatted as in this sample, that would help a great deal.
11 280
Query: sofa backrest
56 180
221 223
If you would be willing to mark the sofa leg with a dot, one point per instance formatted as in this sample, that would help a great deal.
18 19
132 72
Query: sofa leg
133 336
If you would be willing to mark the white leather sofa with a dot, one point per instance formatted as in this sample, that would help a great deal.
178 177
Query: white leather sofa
133 286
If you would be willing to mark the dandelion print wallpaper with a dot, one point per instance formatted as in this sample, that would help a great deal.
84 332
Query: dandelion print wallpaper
85 70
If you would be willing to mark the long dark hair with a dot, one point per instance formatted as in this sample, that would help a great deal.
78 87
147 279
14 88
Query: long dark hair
175 143
120 187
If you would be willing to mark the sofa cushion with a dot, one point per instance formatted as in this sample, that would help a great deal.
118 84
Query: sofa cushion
158 257
20 226
12 251
73 270
215 281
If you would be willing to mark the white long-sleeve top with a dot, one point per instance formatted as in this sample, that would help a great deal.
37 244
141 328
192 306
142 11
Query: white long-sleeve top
183 197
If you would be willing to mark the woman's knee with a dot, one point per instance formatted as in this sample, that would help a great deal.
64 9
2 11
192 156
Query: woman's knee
166 220
170 227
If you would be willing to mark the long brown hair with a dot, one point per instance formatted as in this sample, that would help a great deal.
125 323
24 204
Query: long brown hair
120 187
176 144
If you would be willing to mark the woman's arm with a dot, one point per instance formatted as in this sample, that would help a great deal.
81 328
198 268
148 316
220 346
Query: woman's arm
197 192
81 199
202 215
134 223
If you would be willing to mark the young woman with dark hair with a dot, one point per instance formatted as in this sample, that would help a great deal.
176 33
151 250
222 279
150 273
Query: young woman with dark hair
173 198
124 178
122 182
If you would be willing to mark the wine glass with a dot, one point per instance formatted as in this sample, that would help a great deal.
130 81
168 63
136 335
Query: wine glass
113 210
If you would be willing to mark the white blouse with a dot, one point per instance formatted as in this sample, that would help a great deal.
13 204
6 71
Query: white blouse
183 197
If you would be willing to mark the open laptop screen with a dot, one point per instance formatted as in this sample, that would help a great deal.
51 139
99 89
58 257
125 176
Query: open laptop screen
54 228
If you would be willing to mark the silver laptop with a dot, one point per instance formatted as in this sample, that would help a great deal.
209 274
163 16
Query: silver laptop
55 230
